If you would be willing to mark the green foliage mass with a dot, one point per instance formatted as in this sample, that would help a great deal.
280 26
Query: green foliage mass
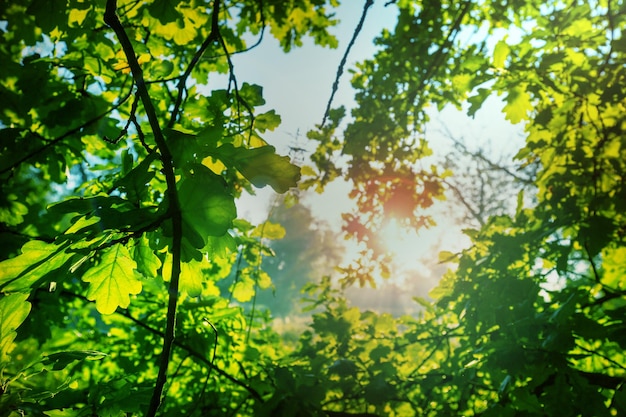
128 283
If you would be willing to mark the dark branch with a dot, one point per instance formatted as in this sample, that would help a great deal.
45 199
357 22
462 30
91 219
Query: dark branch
193 353
357 30
258 42
52 142
111 19
213 36
475 214
442 52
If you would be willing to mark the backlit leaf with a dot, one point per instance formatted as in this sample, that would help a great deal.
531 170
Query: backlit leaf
190 279
269 230
500 54
112 280
37 259
267 121
518 105
243 290
207 206
13 311
221 246
262 166
148 263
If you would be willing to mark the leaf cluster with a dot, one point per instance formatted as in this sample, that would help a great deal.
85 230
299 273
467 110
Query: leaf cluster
128 283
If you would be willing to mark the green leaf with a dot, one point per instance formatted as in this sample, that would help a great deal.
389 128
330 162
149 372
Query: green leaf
13 311
262 166
207 206
183 146
221 246
477 101
267 121
59 360
112 280
164 10
500 54
148 263
135 182
518 105
269 230
161 69
343 368
252 94
12 212
85 205
191 276
36 260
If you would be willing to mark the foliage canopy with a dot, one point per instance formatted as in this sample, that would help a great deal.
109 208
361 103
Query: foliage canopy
128 282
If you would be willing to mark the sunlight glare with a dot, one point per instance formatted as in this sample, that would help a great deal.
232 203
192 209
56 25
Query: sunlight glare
404 244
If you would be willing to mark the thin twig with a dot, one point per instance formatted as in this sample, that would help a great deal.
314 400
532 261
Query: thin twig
193 353
233 79
111 19
258 42
474 213
596 275
357 30
214 35
52 142
479 155
441 53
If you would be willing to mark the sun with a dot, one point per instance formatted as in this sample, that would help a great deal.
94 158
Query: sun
410 248
397 239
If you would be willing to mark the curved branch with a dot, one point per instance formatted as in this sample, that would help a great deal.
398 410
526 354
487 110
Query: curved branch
214 35
357 30
111 19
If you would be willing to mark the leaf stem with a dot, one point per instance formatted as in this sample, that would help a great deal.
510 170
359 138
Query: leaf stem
111 19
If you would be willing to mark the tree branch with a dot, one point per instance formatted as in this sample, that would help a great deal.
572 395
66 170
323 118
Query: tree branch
50 143
214 35
357 30
111 19
474 213
192 353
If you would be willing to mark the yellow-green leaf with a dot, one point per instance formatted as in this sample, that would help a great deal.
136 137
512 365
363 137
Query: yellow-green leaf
112 280
500 54
614 265
518 105
147 262
36 260
243 290
263 280
191 276
269 230
13 311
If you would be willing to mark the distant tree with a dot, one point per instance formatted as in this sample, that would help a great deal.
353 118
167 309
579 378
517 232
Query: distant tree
309 250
